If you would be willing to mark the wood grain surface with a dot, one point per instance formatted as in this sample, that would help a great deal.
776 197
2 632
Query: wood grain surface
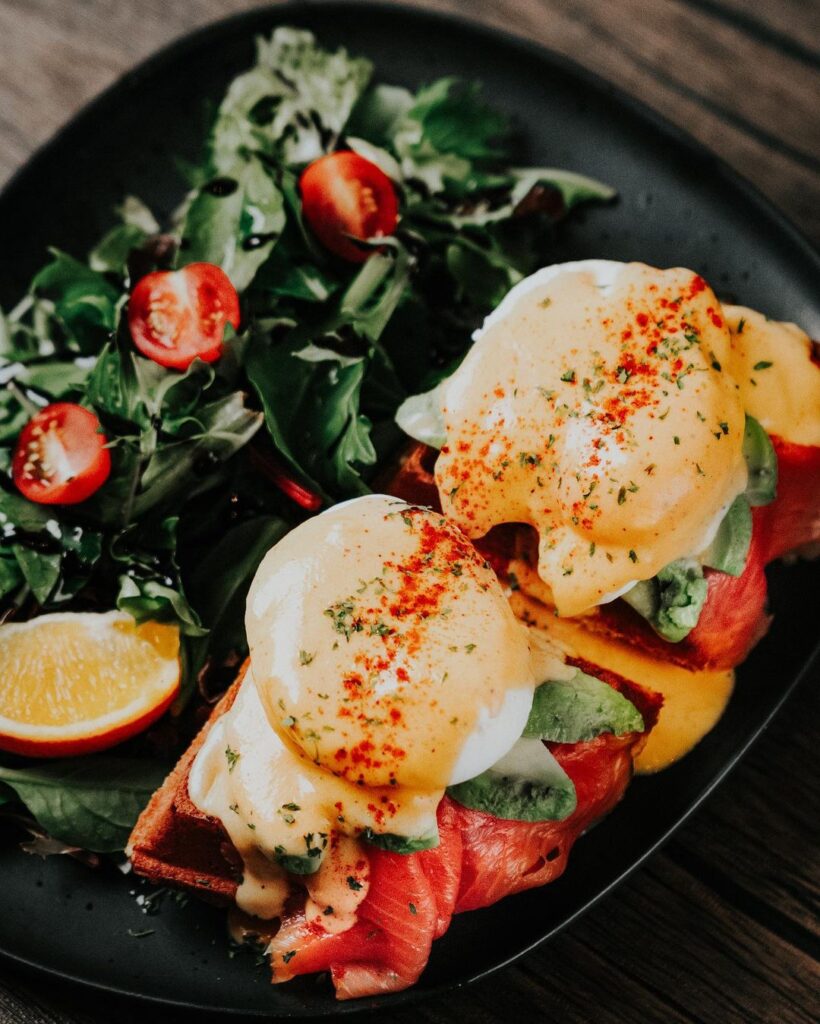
722 926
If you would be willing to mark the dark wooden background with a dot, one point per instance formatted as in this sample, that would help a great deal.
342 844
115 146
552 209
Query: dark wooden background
722 926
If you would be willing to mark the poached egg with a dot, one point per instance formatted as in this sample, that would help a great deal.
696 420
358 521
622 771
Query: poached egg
385 665
596 406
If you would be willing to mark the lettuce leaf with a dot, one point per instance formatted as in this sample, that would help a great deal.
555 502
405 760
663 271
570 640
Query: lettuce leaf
292 105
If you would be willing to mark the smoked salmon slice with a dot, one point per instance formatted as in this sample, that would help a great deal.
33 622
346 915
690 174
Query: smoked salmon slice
384 951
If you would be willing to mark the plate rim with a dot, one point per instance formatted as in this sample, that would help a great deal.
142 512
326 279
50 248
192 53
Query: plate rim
278 13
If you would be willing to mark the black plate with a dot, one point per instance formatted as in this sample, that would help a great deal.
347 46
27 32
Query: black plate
679 206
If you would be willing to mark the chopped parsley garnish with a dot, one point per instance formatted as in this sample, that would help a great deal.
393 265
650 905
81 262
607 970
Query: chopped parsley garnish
528 459
231 756
353 883
568 376
740 325
412 908
764 364
287 957
305 657
342 617
632 555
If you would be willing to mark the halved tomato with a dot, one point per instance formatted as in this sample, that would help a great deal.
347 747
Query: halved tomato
178 316
61 456
345 197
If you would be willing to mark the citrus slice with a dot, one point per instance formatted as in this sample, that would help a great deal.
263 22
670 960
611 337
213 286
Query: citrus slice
75 682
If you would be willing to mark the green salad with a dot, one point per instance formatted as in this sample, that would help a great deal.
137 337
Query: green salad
338 242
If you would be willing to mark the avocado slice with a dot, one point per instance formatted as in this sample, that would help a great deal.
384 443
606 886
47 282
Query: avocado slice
527 784
580 708
729 549
393 843
761 461
671 602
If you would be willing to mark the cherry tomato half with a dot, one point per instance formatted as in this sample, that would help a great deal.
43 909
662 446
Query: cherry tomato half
342 195
177 316
61 458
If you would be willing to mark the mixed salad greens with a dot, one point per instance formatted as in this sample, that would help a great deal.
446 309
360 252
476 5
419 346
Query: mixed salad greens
211 460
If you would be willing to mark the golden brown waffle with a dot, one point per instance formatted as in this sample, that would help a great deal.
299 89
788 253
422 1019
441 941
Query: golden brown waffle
174 843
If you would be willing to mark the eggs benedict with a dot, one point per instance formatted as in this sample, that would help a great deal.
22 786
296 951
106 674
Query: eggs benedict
385 665
595 407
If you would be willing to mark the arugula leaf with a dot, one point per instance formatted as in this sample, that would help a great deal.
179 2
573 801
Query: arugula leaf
53 558
483 274
11 576
220 581
233 221
487 209
189 465
379 114
91 802
311 391
578 709
447 128
292 105
110 254
40 569
81 304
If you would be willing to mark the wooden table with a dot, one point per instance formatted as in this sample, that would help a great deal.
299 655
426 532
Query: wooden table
722 926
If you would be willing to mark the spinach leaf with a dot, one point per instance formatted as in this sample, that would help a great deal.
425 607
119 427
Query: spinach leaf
90 802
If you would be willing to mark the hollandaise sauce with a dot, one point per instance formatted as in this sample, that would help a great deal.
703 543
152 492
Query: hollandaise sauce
386 664
778 382
596 406
693 702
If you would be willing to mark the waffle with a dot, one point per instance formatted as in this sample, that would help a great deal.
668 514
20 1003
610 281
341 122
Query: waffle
174 843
